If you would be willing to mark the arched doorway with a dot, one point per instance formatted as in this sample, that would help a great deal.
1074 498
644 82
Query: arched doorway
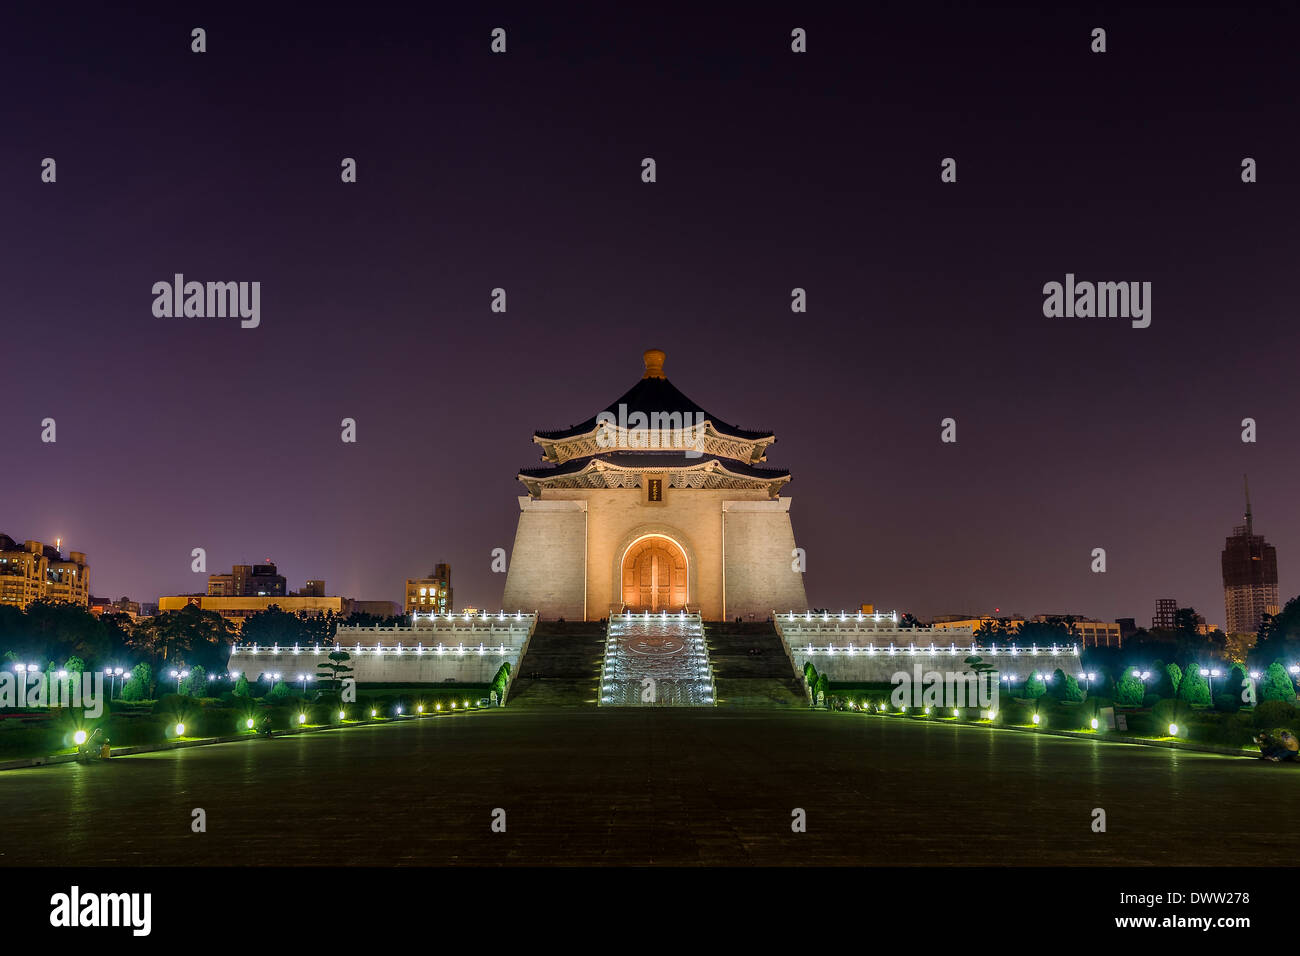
655 575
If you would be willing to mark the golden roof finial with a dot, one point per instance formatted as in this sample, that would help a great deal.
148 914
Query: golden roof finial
654 363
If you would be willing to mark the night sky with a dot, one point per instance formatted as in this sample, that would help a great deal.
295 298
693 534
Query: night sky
775 170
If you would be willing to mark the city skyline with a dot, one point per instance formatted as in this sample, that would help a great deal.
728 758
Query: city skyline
1208 612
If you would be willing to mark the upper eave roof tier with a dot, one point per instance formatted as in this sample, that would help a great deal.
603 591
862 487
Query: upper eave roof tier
654 400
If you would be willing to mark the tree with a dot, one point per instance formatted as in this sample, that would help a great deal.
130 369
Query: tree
907 620
1193 689
1035 686
199 636
1130 689
279 692
196 685
336 669
823 689
1235 681
241 686
1279 637
140 684
1066 687
1276 684
1167 677
499 682
275 626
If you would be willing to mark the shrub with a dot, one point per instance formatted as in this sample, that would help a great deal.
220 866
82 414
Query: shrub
143 673
1130 690
1276 684
1224 730
1066 715
279 692
1066 687
1274 713
823 688
1012 711
1235 681
1227 703
170 704
1167 679
241 686
1035 687
196 685
132 690
810 677
1193 689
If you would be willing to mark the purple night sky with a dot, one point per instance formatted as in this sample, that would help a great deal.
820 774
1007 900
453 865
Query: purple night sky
775 170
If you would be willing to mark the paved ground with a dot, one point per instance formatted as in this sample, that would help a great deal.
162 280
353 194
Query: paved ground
653 786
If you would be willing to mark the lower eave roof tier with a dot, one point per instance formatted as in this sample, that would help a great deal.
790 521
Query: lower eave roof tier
630 461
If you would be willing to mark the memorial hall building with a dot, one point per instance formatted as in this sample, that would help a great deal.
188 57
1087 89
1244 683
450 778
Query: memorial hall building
654 504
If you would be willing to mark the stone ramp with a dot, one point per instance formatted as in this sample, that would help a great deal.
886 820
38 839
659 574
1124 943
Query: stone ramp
561 667
656 660
751 667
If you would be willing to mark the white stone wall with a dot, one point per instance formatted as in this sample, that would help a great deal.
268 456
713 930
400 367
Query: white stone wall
760 575
570 544
869 653
459 651
547 569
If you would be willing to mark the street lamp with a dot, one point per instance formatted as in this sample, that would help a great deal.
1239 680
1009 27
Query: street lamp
180 675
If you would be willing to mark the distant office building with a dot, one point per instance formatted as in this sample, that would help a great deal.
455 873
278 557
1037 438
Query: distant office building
122 605
34 571
237 609
1166 614
1127 627
431 594
248 580
1089 632
961 622
312 589
1249 577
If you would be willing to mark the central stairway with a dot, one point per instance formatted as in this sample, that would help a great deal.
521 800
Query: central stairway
561 667
656 660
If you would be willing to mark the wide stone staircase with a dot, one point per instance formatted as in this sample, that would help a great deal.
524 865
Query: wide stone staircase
561 667
656 660
750 666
